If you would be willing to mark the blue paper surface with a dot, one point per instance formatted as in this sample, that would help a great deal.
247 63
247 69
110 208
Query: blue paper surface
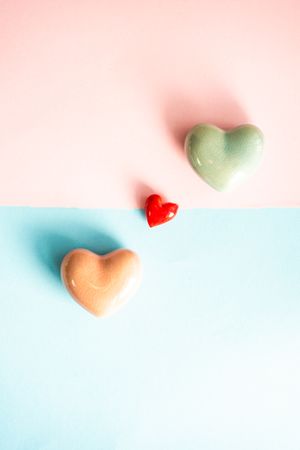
206 355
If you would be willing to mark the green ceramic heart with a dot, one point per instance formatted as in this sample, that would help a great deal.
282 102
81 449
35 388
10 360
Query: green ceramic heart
224 158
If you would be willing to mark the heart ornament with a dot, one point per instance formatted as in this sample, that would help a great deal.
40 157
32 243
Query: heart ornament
224 158
102 284
157 212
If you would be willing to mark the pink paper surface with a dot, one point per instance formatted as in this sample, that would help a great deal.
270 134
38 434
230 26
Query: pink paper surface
97 96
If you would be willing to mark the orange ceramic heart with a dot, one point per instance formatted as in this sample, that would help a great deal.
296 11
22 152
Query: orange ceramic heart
101 284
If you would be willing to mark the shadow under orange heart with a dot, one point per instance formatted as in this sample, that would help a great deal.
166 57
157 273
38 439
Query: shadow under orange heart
102 284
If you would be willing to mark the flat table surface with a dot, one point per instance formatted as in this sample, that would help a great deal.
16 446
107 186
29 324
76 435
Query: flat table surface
97 96
206 355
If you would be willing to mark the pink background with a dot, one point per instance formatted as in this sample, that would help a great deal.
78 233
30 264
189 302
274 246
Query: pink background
96 97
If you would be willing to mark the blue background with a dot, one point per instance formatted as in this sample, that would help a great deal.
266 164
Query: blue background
206 355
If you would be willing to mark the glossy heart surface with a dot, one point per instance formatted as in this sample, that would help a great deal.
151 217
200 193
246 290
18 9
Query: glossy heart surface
224 158
101 284
157 212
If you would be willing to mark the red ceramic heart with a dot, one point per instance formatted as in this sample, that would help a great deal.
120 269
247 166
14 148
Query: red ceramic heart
157 212
101 284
